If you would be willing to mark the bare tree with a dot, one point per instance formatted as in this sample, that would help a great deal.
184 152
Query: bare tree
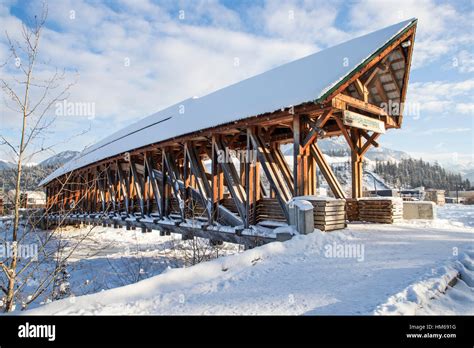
31 98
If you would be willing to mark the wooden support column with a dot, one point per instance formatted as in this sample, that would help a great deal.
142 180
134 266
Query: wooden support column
232 180
101 186
174 177
124 187
199 177
137 180
298 184
254 185
93 191
356 163
249 183
165 197
217 181
187 177
276 182
327 172
149 163
283 166
111 189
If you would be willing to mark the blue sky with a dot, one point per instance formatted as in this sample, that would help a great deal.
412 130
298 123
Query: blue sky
133 58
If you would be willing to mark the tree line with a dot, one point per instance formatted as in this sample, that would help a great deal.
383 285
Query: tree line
411 173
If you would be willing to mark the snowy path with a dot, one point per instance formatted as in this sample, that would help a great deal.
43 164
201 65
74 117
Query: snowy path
295 277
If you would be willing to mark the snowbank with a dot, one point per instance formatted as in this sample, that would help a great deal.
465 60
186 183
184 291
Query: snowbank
362 269
448 290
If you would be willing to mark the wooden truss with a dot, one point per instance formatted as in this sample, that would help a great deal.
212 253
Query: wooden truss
190 179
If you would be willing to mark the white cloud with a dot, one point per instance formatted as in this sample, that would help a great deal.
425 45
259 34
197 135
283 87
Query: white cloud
170 60
444 130
441 29
443 97
311 21
464 62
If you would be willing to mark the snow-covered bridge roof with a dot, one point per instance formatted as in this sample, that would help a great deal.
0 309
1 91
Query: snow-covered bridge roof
311 78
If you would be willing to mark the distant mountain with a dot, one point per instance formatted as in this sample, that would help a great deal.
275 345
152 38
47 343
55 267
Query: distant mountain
469 175
338 147
59 159
461 165
6 164
33 173
385 154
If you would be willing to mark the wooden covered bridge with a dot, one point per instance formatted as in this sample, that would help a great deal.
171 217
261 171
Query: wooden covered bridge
172 170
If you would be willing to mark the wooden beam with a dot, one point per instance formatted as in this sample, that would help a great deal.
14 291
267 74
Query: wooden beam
394 78
200 176
356 164
297 164
315 128
137 180
381 90
358 104
369 142
369 138
343 129
262 156
327 172
154 181
165 199
232 180
407 75
124 183
215 182
283 167
372 63
362 90
174 177
111 188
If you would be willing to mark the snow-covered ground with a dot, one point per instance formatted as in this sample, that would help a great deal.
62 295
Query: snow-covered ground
364 269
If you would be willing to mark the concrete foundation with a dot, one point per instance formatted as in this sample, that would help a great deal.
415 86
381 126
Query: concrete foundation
419 210
301 215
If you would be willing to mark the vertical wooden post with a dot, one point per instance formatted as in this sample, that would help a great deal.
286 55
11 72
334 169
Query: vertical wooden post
313 176
146 186
216 182
250 182
356 164
164 186
297 162
187 181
